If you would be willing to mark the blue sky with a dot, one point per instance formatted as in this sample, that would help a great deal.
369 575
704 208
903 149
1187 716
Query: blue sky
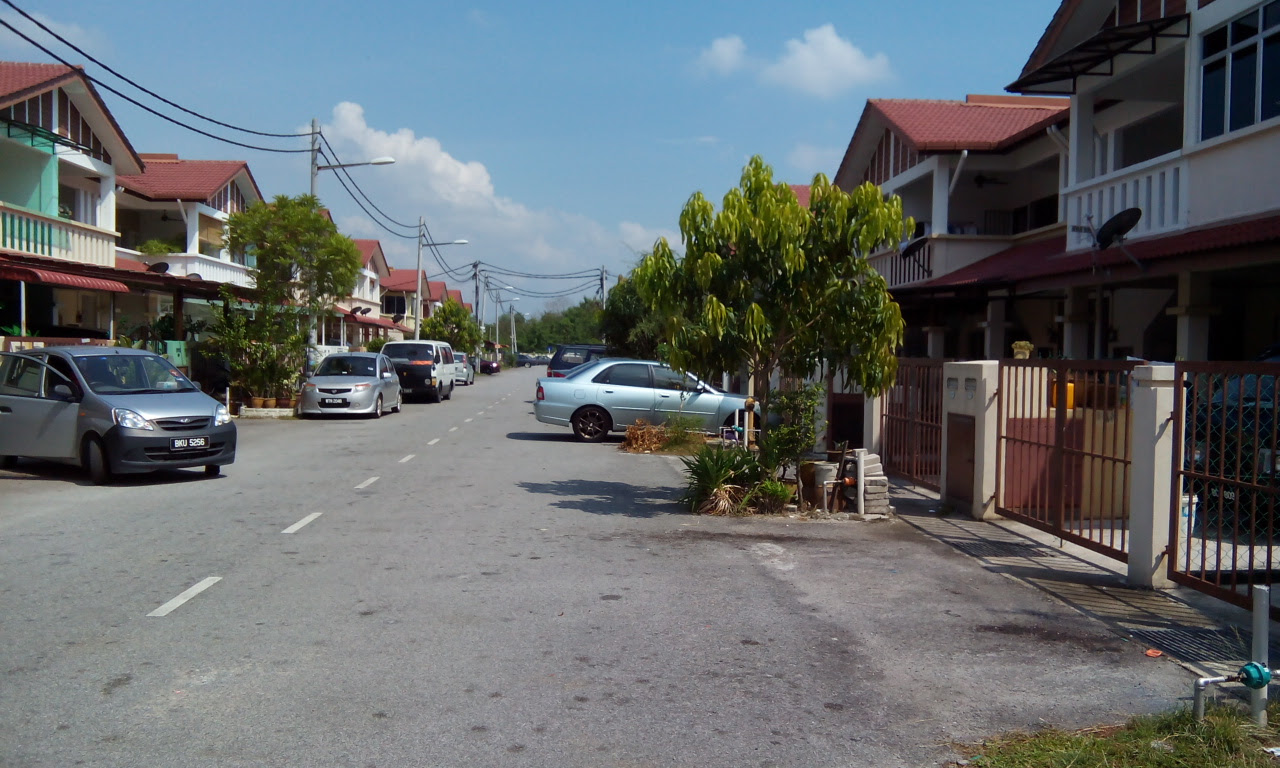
554 136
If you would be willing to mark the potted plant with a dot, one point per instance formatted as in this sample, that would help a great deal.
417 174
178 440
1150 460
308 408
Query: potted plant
1022 350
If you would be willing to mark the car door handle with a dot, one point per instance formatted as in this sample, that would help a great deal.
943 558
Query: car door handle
664 395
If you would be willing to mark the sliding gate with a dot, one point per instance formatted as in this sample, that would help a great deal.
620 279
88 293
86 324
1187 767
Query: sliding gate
1064 449
912 422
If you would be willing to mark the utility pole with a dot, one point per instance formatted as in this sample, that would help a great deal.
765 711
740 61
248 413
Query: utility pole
475 279
417 293
602 273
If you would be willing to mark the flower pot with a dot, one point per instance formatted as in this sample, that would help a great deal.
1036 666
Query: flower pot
257 402
269 402
284 402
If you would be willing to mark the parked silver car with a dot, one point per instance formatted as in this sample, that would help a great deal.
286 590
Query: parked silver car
610 394
466 375
352 383
111 410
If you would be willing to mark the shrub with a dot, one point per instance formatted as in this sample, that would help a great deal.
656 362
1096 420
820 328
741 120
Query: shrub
769 497
681 433
712 470
376 343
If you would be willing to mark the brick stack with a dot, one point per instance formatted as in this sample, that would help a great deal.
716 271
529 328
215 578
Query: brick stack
876 503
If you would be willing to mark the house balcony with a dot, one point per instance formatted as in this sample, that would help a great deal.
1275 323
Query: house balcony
1158 186
206 267
35 234
943 254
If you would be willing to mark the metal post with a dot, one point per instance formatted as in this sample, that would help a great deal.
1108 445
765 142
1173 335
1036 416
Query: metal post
22 305
417 293
1261 640
515 349
315 153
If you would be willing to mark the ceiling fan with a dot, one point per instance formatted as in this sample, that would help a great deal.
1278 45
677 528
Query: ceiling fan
981 181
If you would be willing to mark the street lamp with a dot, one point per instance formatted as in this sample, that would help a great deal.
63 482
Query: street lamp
417 295
316 167
497 307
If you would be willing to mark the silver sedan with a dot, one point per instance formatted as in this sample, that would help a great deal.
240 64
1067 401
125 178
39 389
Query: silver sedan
352 383
608 395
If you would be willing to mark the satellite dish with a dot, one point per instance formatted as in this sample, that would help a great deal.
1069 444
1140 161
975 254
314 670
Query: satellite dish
160 267
194 276
912 251
1116 228
364 310
397 318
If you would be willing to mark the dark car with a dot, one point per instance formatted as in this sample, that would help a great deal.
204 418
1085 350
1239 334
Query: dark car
1232 452
490 366
524 360
569 356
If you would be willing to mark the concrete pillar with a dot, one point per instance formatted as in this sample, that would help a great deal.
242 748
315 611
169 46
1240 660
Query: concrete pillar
1195 306
105 216
1075 325
969 389
994 329
1081 130
192 220
941 198
1151 475
873 423
937 341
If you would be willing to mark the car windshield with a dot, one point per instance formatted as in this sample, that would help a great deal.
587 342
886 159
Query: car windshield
458 356
132 374
400 351
339 365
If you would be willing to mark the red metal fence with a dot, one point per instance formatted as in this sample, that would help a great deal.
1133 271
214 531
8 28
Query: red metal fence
1225 520
1065 450
912 437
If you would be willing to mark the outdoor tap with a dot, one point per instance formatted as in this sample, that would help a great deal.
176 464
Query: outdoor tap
1252 675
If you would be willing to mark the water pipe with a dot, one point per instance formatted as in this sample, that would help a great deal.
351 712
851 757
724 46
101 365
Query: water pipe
1254 676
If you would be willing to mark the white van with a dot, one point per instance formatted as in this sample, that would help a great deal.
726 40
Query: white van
425 367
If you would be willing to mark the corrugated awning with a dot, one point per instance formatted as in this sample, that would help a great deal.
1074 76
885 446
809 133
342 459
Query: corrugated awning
49 277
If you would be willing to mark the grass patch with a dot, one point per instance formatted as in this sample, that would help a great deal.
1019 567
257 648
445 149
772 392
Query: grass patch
1226 738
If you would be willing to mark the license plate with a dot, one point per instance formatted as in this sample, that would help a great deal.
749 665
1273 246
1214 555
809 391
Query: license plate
188 443
334 401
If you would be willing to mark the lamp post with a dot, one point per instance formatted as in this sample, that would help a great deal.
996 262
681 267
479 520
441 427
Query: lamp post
316 167
417 294
511 309
497 307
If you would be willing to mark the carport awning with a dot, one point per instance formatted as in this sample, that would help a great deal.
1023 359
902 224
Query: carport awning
49 277
1096 56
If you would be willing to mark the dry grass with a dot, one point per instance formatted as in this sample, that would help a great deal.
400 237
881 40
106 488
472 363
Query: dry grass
725 501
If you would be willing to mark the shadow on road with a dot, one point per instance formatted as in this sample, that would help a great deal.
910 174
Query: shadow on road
559 437
33 469
604 497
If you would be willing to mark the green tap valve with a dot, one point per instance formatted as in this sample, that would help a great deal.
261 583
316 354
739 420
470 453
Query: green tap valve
1254 675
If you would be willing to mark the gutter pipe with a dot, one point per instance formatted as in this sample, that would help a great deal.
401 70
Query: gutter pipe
955 177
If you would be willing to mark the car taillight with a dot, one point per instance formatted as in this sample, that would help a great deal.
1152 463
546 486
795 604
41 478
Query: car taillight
541 395
555 375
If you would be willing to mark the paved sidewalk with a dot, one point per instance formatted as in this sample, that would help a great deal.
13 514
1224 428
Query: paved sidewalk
1206 635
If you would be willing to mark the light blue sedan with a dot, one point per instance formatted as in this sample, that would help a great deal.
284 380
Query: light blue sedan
609 395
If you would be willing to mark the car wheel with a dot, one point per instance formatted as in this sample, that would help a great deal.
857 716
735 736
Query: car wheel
591 424
433 396
449 395
95 461
212 470
396 408
377 408
8 462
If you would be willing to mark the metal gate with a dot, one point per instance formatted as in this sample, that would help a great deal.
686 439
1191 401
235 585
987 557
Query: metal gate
1225 520
912 437
1065 450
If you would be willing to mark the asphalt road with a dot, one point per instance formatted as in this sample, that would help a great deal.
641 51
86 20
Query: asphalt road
479 590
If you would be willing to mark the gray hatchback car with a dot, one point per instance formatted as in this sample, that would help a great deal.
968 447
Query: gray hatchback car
111 410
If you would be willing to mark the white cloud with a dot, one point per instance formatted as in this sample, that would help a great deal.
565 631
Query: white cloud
15 48
640 239
807 160
725 56
460 201
825 64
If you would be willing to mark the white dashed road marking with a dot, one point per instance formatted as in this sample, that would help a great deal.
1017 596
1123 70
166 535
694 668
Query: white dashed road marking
466 421
294 528
453 429
367 483
433 442
408 458
204 584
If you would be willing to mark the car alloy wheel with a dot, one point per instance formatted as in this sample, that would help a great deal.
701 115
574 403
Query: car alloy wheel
95 461
377 408
591 424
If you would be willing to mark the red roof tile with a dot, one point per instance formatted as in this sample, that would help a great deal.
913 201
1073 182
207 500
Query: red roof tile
19 81
367 249
401 280
979 123
165 177
436 290
802 193
999 268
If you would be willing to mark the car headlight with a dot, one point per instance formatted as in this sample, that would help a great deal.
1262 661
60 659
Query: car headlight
221 416
361 387
130 419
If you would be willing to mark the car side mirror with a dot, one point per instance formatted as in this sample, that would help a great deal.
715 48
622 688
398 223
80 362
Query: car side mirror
63 392
387 375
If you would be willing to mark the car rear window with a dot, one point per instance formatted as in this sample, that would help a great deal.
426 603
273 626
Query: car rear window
409 351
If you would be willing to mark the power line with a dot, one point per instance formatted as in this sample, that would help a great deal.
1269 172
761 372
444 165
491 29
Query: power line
139 104
151 93
333 155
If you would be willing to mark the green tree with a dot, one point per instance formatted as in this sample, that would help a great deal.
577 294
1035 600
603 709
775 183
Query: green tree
629 326
770 284
452 322
301 257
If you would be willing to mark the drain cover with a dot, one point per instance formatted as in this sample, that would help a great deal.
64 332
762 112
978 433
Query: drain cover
1202 643
986 548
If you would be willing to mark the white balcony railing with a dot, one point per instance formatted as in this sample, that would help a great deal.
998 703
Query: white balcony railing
207 267
36 234
1158 186
898 271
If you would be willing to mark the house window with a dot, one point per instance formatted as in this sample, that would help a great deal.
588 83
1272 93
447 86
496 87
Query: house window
393 305
1240 72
